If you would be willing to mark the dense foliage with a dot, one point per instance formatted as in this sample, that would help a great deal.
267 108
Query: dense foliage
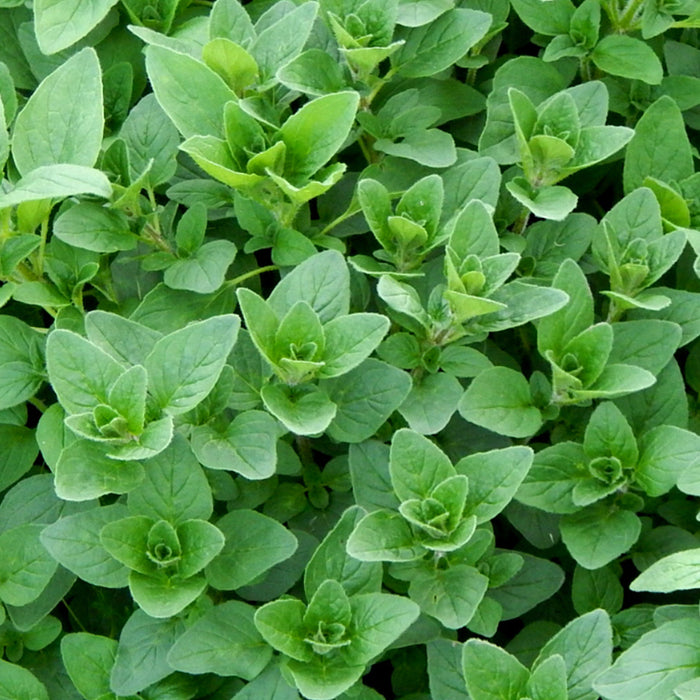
349 348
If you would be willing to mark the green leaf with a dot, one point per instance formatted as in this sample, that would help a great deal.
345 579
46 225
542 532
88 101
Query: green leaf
18 455
365 397
224 641
660 146
128 541
451 595
445 669
232 62
151 140
599 533
303 411
89 658
600 588
17 683
279 42
676 572
331 117
331 561
270 685
202 349
248 445
57 182
201 542
60 23
174 488
74 91
431 147
556 330
313 72
126 341
93 227
608 434
494 478
203 272
324 677
499 399
350 340
322 280
585 644
190 93
141 660
548 202
281 624
665 452
619 54
254 544
164 598
26 567
74 542
20 361
538 80
416 465
491 673
655 665
369 471
555 21
432 47
536 581
383 535
378 619
416 13
431 403
648 344
84 471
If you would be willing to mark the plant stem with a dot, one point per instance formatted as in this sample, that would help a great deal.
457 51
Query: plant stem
627 17
252 273
350 211
73 615
42 247
521 222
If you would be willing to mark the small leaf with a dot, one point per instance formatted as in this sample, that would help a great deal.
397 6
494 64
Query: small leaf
623 55
599 533
499 399
652 667
202 348
224 641
491 672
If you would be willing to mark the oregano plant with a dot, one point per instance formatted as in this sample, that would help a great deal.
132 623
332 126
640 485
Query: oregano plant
349 349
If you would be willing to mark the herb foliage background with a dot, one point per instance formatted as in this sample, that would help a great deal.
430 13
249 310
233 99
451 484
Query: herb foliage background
349 349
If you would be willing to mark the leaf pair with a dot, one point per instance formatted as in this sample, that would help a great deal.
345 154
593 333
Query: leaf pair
557 138
328 642
579 351
121 390
305 333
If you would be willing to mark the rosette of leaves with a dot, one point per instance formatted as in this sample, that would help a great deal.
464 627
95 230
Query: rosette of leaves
305 332
560 670
599 485
560 136
430 534
278 165
470 297
473 295
630 246
165 561
121 391
579 350
327 644
364 32
407 232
